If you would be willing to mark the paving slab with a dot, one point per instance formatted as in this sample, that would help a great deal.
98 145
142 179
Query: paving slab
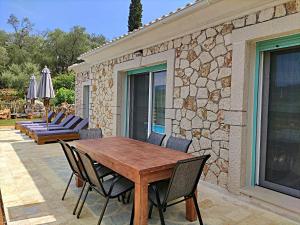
33 178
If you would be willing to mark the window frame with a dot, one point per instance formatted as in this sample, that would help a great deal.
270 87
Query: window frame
261 47
151 70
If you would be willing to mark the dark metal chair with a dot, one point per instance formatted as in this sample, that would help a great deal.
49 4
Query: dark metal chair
178 144
110 188
72 160
155 138
183 183
77 170
91 133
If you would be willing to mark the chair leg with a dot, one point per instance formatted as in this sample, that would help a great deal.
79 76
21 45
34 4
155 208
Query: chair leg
128 197
63 197
123 198
74 211
150 210
197 209
160 209
80 209
132 215
161 215
103 210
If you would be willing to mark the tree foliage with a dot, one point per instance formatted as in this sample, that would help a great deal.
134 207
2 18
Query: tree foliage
18 76
23 53
135 15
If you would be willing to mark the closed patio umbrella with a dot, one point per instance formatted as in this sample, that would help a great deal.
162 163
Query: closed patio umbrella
45 90
32 89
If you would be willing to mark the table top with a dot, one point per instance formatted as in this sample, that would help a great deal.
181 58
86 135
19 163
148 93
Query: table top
125 155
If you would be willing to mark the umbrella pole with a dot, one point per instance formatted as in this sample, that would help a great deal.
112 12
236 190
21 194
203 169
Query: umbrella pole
47 117
46 104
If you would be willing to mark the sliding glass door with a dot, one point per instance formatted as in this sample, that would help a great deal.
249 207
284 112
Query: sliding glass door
139 95
146 98
280 121
158 102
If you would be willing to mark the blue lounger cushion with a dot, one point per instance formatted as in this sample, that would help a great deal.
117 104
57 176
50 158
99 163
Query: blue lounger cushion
65 122
69 125
55 121
54 132
82 125
50 115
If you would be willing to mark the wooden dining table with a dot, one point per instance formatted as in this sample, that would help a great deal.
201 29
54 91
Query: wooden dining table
140 162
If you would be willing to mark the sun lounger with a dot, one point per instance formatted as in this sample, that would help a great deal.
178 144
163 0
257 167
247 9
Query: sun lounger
70 125
56 120
62 124
19 123
42 137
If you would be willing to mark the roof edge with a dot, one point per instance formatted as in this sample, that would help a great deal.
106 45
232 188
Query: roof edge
151 25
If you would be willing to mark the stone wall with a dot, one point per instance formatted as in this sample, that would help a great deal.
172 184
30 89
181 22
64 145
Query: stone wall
80 78
102 83
202 88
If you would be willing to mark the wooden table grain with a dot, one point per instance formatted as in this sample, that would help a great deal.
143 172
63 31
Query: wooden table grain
139 162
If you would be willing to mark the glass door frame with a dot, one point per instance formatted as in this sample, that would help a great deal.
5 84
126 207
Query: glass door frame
261 48
151 70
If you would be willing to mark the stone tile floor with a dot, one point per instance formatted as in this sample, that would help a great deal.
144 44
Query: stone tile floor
33 178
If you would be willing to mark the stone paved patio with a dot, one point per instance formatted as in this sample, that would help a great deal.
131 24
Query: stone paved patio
33 177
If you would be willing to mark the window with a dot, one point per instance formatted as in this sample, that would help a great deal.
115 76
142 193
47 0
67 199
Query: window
278 123
146 101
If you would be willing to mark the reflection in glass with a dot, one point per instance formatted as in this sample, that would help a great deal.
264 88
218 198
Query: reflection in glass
282 113
158 102
139 92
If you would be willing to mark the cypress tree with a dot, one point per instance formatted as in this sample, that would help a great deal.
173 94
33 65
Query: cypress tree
135 15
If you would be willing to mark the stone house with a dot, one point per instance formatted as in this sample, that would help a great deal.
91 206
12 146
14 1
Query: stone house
224 73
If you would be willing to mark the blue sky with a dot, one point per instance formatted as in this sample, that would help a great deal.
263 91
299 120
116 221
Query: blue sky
107 17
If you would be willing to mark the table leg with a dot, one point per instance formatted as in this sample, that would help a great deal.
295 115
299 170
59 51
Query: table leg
79 182
141 203
190 211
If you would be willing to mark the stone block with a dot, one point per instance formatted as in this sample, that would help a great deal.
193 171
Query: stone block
202 93
201 38
185 124
218 50
238 23
266 14
251 19
205 57
280 11
211 32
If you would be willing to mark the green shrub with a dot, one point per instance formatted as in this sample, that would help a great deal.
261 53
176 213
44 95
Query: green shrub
66 80
64 95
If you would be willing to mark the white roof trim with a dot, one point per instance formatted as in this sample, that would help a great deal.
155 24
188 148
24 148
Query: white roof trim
196 17
161 20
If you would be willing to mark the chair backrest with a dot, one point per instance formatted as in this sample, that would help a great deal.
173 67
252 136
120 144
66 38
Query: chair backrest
92 133
66 120
90 171
71 158
73 122
82 125
58 118
155 138
185 178
178 144
50 115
